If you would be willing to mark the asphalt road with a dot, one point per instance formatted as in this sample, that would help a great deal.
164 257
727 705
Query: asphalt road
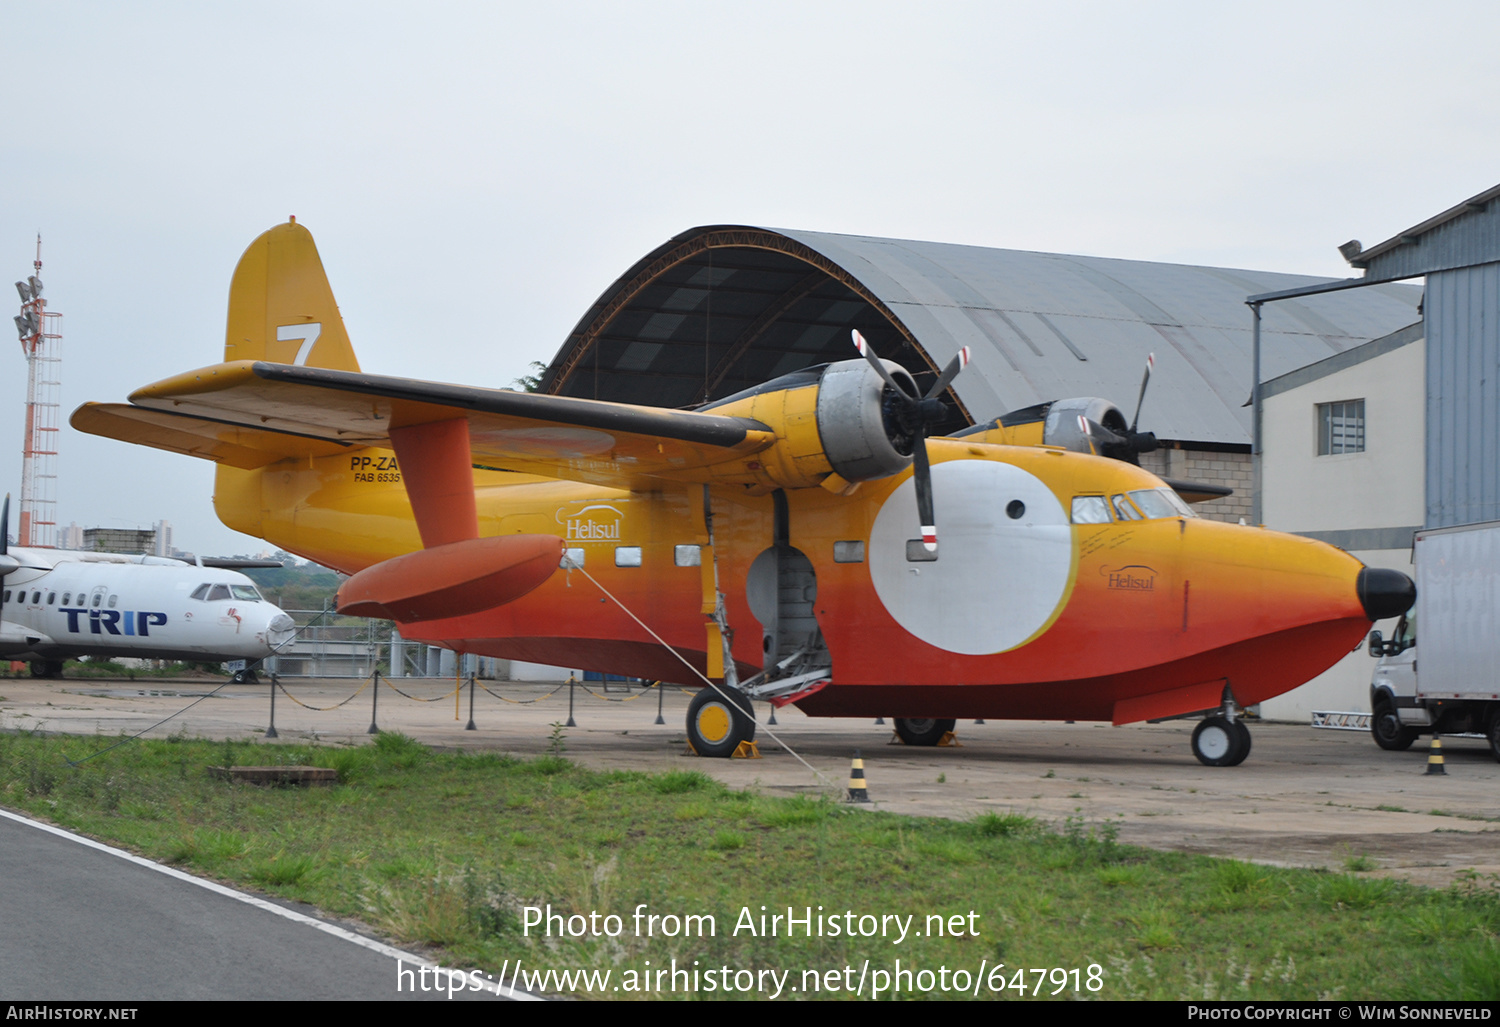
87 924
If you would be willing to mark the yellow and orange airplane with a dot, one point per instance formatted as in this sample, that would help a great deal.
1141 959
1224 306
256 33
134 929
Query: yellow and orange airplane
783 541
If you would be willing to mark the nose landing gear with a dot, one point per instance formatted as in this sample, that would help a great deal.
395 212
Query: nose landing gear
1222 740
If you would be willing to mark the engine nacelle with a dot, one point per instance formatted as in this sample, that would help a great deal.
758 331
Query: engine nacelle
863 439
1062 428
1108 436
835 426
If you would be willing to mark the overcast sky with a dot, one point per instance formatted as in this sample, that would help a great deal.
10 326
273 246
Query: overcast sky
475 174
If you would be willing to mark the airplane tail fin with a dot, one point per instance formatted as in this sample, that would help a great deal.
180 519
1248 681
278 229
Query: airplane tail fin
281 307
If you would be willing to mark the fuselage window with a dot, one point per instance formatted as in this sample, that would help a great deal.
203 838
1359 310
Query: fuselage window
1124 509
627 556
112 600
849 551
7 595
36 598
1090 510
67 596
572 557
687 556
51 598
98 598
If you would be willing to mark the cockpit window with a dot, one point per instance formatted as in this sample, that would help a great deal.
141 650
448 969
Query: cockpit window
1090 510
1160 503
201 592
218 592
1125 509
246 592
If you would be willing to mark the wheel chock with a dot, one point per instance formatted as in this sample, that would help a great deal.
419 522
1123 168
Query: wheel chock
857 791
745 751
950 740
1435 757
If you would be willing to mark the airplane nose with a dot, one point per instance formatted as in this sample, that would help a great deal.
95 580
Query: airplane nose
280 629
1384 593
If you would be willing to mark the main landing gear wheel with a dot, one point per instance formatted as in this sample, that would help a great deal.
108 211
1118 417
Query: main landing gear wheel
1218 742
1494 733
715 725
1390 734
923 731
46 668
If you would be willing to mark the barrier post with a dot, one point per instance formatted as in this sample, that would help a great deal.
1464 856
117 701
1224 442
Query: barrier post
470 726
374 703
571 722
275 684
659 718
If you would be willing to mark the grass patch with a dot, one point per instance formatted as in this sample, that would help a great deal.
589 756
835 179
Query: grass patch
450 850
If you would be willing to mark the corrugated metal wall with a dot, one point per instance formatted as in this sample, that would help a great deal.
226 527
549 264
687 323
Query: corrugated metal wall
1468 240
1463 396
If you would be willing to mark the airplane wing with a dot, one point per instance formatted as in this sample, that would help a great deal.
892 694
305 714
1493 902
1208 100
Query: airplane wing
253 413
212 439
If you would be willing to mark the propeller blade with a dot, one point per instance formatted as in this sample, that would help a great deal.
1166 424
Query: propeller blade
927 411
957 364
922 477
869 354
1085 426
1150 363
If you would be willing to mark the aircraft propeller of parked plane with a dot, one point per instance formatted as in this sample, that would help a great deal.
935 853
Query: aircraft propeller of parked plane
800 542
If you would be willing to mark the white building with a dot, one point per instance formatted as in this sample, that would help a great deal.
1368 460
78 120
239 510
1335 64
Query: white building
1344 462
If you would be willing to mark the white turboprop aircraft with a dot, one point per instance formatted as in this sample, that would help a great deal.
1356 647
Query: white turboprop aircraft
56 604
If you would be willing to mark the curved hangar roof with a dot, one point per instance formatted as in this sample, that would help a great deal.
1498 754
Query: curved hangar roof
723 308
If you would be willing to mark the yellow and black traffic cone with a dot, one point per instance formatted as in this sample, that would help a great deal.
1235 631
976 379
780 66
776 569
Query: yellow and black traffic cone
1435 756
857 792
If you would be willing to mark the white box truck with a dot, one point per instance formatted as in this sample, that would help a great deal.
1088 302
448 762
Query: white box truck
1451 685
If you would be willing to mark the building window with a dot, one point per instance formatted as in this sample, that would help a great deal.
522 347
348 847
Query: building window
1341 427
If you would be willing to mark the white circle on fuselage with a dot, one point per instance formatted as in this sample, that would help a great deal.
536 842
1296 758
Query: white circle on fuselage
997 579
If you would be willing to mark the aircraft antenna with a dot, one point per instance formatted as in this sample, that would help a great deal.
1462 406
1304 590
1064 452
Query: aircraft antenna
40 330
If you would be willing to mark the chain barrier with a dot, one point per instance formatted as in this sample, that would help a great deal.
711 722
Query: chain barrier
647 690
524 702
418 698
276 683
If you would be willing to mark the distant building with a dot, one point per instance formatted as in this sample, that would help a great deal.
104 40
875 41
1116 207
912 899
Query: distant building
72 537
163 539
119 540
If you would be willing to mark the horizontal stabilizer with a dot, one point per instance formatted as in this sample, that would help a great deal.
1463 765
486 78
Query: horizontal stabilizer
452 580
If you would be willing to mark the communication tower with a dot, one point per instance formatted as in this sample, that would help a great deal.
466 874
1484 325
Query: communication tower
41 340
